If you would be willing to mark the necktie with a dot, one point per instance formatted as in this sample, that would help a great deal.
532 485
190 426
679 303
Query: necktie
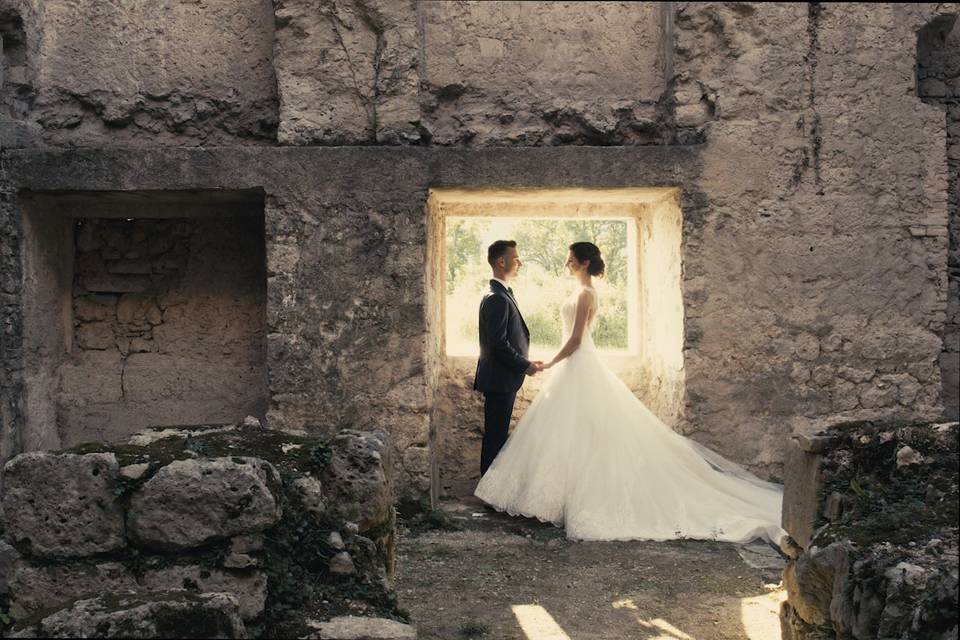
510 291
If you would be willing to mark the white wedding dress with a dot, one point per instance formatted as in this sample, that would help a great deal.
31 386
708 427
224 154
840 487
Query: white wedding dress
589 456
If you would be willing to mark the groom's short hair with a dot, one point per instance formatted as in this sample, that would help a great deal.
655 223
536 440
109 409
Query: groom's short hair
498 249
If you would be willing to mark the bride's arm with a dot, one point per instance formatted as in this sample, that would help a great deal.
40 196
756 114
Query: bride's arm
579 326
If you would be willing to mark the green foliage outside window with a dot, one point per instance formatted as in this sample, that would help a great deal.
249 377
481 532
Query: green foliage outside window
543 283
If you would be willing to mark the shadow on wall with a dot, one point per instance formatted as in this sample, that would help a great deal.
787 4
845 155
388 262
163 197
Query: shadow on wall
16 89
938 83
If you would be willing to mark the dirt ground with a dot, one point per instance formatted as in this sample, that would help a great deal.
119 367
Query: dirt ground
480 582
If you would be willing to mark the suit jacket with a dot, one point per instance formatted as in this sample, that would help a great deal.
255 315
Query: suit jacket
504 343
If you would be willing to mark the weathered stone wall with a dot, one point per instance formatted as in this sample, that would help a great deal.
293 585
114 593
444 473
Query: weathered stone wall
140 310
813 184
541 73
169 325
346 332
525 73
19 26
290 527
21 23
938 75
147 72
814 284
11 327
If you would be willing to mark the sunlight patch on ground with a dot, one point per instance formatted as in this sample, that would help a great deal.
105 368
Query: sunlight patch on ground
761 615
669 632
626 603
537 623
659 626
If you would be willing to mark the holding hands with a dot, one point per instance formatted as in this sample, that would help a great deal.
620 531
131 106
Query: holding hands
535 367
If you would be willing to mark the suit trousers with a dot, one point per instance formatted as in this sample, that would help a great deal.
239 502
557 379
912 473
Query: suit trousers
497 409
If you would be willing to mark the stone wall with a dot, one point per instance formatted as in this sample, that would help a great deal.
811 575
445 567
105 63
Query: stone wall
468 73
20 25
292 528
11 328
817 167
202 73
169 322
813 185
346 333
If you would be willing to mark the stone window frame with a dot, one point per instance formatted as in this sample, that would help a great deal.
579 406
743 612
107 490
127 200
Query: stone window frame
656 369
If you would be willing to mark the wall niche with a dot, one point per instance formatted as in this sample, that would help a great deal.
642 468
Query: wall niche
145 309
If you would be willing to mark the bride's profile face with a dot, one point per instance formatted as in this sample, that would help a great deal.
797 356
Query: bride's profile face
573 267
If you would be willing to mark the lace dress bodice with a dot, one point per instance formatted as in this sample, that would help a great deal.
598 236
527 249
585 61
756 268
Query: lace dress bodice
568 314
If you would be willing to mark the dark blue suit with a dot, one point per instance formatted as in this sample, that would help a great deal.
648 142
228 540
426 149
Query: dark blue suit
504 346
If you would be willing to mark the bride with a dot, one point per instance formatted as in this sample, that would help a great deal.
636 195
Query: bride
589 456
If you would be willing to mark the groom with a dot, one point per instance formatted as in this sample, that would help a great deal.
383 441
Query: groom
504 345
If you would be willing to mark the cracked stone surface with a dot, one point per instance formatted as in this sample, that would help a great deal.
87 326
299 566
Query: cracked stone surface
367 72
35 587
101 82
248 587
174 614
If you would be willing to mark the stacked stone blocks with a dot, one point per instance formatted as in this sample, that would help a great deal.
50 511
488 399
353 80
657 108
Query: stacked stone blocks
192 510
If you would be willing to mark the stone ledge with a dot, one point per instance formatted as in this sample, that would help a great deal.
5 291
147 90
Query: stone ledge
132 614
34 588
357 628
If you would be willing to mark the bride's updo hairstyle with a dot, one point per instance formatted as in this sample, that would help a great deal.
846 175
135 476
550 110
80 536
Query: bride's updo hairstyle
589 251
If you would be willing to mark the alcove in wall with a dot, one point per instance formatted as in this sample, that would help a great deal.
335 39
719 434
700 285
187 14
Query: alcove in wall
141 309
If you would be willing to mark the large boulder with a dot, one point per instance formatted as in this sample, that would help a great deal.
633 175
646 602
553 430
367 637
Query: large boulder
356 480
63 505
35 587
190 502
174 614
814 579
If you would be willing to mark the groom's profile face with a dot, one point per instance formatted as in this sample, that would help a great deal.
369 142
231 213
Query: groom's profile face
511 262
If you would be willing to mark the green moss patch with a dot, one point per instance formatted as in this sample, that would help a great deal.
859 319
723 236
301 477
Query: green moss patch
884 503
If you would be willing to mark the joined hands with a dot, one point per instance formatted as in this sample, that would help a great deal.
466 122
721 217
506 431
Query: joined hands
537 366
